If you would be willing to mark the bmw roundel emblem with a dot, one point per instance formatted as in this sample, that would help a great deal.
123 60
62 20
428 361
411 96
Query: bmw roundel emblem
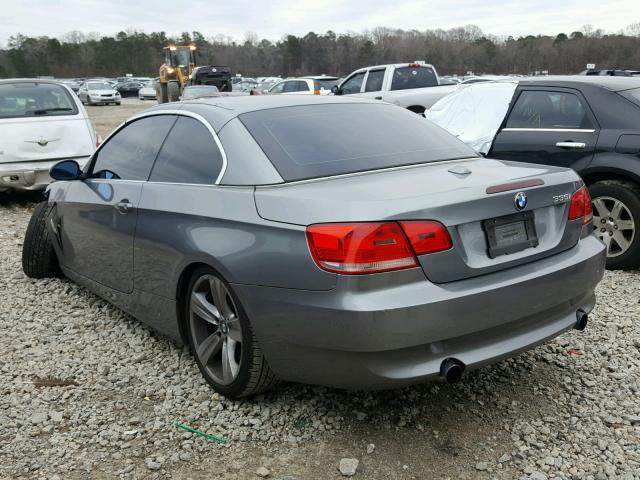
520 200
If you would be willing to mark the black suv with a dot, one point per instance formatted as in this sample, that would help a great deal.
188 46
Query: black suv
588 123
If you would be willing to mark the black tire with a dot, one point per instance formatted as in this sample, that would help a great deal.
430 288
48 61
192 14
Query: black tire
628 194
254 375
161 92
39 259
173 91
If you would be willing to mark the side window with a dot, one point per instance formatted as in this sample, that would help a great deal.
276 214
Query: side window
302 86
189 155
130 153
374 81
353 84
544 109
278 87
290 87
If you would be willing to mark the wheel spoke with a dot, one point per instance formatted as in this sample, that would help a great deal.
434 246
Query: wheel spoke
622 242
220 297
229 365
625 224
616 210
209 347
203 309
235 332
601 208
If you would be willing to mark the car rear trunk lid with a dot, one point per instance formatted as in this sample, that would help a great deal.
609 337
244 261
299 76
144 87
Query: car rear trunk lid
48 138
445 192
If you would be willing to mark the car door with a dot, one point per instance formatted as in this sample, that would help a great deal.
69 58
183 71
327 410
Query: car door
174 214
373 83
97 216
552 126
353 84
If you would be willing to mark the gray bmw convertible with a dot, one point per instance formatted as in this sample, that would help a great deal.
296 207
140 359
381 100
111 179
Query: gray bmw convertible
341 242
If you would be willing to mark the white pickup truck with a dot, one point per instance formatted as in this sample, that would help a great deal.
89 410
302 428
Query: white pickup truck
414 86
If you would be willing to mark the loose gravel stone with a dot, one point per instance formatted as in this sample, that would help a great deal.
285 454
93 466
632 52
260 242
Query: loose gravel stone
263 472
348 466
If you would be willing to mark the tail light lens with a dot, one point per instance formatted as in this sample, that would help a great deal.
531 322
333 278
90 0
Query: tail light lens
316 92
361 248
427 236
98 140
580 206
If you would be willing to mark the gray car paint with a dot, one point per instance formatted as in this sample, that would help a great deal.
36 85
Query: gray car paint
367 331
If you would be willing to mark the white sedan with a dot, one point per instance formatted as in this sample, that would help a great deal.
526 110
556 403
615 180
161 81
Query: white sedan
147 92
98 91
41 123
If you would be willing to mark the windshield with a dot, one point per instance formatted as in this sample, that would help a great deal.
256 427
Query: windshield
99 86
326 83
181 57
35 99
312 141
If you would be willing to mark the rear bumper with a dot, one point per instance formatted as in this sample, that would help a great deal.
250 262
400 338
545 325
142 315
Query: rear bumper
29 175
368 333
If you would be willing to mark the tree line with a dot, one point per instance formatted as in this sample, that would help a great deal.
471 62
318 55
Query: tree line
454 51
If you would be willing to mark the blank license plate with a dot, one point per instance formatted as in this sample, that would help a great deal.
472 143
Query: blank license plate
510 234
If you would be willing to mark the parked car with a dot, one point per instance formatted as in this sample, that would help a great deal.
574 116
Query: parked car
244 86
414 86
317 85
95 92
41 122
147 92
129 89
199 91
588 123
279 245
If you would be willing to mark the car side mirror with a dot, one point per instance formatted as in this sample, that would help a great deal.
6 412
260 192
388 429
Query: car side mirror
336 90
66 170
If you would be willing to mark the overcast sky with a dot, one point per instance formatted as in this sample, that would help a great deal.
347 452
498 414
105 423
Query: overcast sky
273 18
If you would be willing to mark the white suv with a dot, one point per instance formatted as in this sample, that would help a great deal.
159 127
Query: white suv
41 123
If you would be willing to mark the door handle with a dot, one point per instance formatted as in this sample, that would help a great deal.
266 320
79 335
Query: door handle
377 98
571 144
124 206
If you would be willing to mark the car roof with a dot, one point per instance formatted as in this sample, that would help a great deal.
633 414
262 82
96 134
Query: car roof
615 84
220 110
31 80
318 77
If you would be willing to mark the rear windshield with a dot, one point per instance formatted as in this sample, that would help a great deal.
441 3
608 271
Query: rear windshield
633 95
413 77
193 92
101 86
35 100
312 141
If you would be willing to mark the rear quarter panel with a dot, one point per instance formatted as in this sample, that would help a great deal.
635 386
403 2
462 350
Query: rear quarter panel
179 225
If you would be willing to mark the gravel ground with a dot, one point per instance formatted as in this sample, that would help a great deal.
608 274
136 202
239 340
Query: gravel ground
89 392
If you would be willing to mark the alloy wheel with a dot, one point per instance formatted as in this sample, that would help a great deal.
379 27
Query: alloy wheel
216 329
613 224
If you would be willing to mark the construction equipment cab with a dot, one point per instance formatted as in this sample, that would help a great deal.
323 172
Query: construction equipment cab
179 70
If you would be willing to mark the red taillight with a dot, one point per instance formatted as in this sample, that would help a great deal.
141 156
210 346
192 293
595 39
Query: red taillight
427 236
360 248
580 206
